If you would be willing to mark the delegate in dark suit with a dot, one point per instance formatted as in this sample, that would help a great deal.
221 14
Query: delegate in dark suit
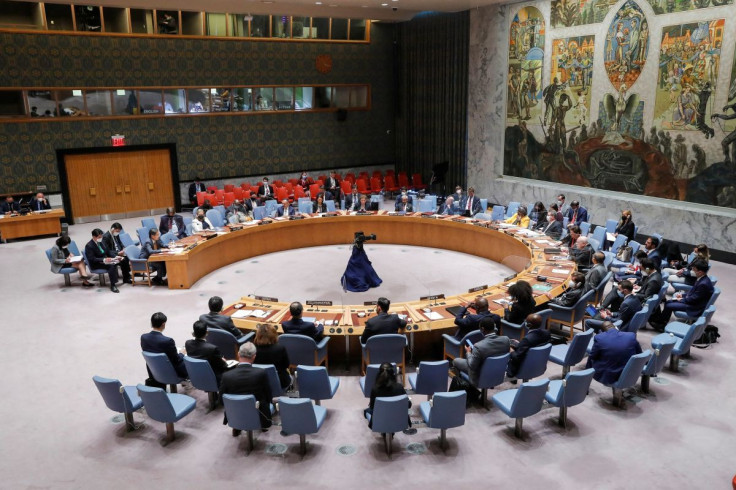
300 327
332 188
9 207
380 324
96 255
655 257
404 207
166 224
223 322
693 302
352 202
533 338
147 250
115 245
468 322
650 286
629 307
277 355
39 205
576 215
447 209
201 349
611 351
195 187
158 343
491 345
552 229
474 203
245 379
290 211
594 277
262 192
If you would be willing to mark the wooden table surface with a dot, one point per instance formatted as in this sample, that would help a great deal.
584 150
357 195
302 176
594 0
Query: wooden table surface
32 224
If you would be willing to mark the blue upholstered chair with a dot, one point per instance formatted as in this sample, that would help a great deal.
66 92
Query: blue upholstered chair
126 240
330 204
484 204
598 296
617 243
168 237
569 392
386 348
315 383
166 407
584 228
512 208
680 329
534 363
662 351
430 378
299 416
259 212
522 402
162 370
683 316
629 376
482 216
568 355
273 379
271 206
611 225
367 381
138 266
599 233
303 350
454 348
637 321
222 210
215 218
444 411
100 272
226 342
203 378
608 260
66 271
635 246
143 237
390 415
119 398
682 345
571 315
242 414
148 223
498 212
425 206
595 243
681 286
492 374
305 207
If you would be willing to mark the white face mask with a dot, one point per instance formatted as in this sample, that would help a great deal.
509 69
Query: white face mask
644 273
570 284
115 233
560 203
65 247
99 240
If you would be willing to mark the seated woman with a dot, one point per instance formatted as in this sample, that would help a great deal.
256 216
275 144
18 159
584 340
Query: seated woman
385 385
319 205
61 257
574 292
269 351
363 207
685 275
539 213
522 302
554 208
152 247
625 226
201 222
519 218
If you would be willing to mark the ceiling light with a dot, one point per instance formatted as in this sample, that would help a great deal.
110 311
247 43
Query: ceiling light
318 3
384 5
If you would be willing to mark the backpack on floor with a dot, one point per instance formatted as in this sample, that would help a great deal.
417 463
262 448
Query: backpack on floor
710 336
459 383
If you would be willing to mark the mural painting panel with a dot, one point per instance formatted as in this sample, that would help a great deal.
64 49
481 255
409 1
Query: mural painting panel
568 13
572 67
627 45
670 6
526 61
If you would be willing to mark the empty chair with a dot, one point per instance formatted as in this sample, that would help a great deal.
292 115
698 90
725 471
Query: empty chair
571 315
226 342
119 398
611 225
66 271
568 355
203 378
166 407
484 204
168 237
635 246
215 218
143 237
444 411
482 217
534 363
162 370
138 266
273 379
629 376
522 402
242 414
305 207
609 256
315 383
100 272
492 374
662 351
430 378
330 203
584 228
454 348
680 329
682 345
299 416
385 348
259 212
512 208
498 212
303 350
569 392
148 223
126 240
425 206
389 416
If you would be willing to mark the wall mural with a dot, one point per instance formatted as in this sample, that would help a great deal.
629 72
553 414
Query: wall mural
671 6
568 13
685 152
526 61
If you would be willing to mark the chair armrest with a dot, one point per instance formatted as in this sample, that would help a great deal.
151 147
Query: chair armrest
245 338
559 308
322 343
452 340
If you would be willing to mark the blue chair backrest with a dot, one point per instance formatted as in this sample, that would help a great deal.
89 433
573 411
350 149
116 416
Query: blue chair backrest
221 209
662 292
609 256
690 336
157 403
584 228
303 199
708 314
188 219
659 359
595 244
386 348
602 285
448 410
576 387
271 205
168 237
650 305
215 218
132 252
425 206
189 229
565 222
371 372
493 370
545 314
390 414
579 308
143 237
259 212
638 320
305 207
618 242
529 398
273 379
113 394
224 340
713 297
148 223
48 254
161 368
578 347
432 377
297 416
330 203
241 412
611 225
484 204
632 370
73 248
299 347
535 362
126 240
635 246
201 374
474 336
512 208
599 234
483 216
314 382
498 212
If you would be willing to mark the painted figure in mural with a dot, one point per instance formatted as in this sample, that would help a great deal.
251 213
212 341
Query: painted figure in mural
684 113
643 41
679 158
703 96
634 42
730 139
532 87
582 108
550 100
557 128
698 164
514 87
609 46
653 138
526 103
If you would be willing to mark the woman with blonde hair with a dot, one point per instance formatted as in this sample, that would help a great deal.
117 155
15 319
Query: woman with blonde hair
269 351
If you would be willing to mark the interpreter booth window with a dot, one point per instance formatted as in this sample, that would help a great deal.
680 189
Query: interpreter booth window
175 101
242 99
342 97
167 21
125 102
59 17
141 21
220 99
116 19
300 27
88 18
322 97
263 99
259 26
42 103
70 102
280 26
284 98
303 97
357 29
339 29
320 28
12 103
99 102
239 25
150 101
198 100
359 96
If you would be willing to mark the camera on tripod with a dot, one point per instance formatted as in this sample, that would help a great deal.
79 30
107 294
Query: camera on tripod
361 238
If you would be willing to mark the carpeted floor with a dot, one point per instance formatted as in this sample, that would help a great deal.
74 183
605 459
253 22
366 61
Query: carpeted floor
57 433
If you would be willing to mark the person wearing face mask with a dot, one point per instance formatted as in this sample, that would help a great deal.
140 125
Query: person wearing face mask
382 323
551 227
691 302
238 213
625 226
651 281
538 213
265 191
575 288
555 209
582 253
519 218
61 257
458 196
152 247
560 202
352 200
201 222
100 257
111 240
305 181
630 305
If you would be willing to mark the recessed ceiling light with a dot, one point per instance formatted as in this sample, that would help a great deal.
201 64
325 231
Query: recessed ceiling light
318 3
384 5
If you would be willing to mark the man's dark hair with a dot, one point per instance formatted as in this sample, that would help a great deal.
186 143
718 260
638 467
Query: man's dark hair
296 309
562 196
215 304
481 304
97 232
152 232
626 285
384 304
199 329
116 226
574 204
576 229
655 241
487 325
599 257
700 265
646 263
640 255
607 325
158 319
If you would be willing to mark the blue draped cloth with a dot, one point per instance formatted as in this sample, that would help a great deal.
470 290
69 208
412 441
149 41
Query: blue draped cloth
359 275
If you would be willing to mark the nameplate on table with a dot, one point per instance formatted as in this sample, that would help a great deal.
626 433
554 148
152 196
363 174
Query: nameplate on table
370 303
264 222
508 278
432 297
552 250
292 218
319 303
478 288
266 298
331 214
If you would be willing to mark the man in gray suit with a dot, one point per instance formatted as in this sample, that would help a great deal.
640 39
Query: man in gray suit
491 345
596 273
214 319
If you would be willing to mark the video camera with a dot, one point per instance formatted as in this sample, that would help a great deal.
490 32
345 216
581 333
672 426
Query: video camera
361 238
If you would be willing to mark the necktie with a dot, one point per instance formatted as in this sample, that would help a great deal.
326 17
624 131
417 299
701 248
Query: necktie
265 190
100 247
574 217
39 205
470 202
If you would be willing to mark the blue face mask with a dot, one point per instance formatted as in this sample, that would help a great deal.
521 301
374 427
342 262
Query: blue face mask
619 293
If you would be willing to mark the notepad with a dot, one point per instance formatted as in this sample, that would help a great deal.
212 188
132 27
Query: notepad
259 314
309 319
231 363
610 237
75 258
433 315
560 271
502 301
242 313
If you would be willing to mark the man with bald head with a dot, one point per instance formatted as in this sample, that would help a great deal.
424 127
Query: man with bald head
39 203
448 207
534 337
582 253
467 322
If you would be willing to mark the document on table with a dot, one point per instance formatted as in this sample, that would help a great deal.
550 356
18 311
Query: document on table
502 301
242 313
560 271
610 237
433 315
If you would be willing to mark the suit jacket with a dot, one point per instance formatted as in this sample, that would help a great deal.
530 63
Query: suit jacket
262 191
533 338
6 207
629 306
95 256
290 211
277 355
147 249
650 286
158 343
58 259
445 209
37 205
198 226
110 242
519 311
582 256
469 322
380 324
569 297
474 206
165 225
553 230
626 229
400 207
201 349
582 215
223 322
332 187
698 296
194 188
594 277
245 379
492 345
300 327
352 204
655 257
611 351
318 209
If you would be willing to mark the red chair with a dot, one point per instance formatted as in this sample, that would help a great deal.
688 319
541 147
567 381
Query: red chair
346 187
362 187
200 198
314 189
390 172
377 174
282 193
238 193
212 188
299 192
229 198
376 185
416 181
338 176
208 197
254 189
245 186
350 177
322 178
364 175
277 183
293 181
390 184
320 182
220 196
404 180
229 187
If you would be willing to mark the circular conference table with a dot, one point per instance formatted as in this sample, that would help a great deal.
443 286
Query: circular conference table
519 249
